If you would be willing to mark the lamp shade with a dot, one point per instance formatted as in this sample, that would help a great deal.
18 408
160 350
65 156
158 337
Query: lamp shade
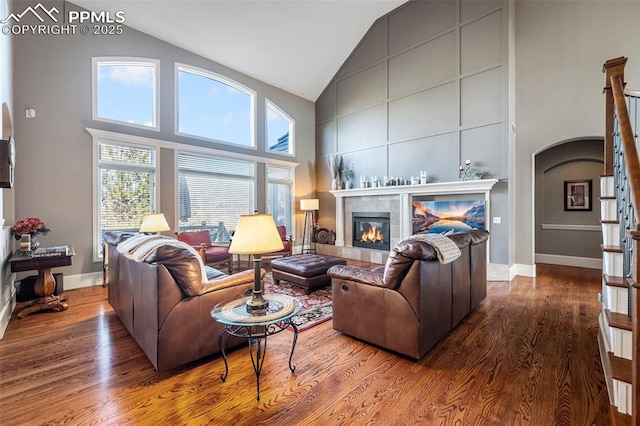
256 234
310 204
154 222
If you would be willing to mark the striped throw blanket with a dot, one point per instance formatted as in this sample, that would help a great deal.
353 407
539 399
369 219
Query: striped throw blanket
446 250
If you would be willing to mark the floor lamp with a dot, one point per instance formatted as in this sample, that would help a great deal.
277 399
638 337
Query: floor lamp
308 206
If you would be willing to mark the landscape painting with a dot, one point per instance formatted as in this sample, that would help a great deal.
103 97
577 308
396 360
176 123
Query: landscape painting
443 217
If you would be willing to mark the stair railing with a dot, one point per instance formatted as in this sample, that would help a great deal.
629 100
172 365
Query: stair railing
621 160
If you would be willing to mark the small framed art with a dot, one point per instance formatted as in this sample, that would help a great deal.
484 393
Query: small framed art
577 195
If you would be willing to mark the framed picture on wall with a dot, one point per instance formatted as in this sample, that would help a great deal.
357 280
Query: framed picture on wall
577 195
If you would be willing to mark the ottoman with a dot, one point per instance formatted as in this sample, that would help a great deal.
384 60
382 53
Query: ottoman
308 271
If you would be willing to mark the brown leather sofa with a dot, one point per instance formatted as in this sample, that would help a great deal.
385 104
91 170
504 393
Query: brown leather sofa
164 303
412 302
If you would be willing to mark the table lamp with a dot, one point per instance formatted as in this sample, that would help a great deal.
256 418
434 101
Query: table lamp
255 235
308 206
153 223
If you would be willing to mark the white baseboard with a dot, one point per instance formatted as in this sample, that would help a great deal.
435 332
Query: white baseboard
582 262
5 314
72 282
522 270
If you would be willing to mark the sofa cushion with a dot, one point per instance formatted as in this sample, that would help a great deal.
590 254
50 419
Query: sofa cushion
183 266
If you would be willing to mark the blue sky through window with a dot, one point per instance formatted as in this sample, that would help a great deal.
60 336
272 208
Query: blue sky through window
211 109
126 92
277 127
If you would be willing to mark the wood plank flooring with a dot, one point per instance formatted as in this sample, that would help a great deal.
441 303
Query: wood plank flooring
527 356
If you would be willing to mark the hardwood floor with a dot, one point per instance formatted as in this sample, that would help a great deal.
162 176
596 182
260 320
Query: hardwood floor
528 355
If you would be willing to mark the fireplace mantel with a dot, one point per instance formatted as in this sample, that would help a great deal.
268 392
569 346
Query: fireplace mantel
406 194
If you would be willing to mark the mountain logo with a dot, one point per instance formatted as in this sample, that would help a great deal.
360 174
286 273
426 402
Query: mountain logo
34 11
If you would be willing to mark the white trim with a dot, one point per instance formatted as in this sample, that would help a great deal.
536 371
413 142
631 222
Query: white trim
436 188
289 182
177 146
406 194
87 279
154 169
522 270
180 67
123 60
570 227
5 313
582 262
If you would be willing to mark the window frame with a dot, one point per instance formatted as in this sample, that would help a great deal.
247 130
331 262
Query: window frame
123 60
290 183
125 141
292 129
220 79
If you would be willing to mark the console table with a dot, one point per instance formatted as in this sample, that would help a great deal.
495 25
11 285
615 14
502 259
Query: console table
256 327
42 260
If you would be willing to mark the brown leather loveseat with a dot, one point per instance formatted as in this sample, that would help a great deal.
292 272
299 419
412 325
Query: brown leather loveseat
164 300
412 302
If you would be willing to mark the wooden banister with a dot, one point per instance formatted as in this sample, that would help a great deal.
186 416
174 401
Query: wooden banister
628 142
610 68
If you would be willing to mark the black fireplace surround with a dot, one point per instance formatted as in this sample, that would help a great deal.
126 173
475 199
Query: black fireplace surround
371 230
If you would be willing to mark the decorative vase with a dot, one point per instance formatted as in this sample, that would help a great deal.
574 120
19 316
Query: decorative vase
334 184
34 242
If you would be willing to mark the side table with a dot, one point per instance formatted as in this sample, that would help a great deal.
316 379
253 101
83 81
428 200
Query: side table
42 259
256 328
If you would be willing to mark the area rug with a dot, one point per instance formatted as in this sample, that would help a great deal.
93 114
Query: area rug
317 308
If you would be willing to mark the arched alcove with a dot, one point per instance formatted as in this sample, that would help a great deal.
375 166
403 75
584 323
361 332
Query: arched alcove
566 234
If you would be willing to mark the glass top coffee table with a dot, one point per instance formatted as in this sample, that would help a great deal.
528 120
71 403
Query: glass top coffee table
256 328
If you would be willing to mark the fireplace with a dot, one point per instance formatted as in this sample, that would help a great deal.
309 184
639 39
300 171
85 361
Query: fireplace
371 230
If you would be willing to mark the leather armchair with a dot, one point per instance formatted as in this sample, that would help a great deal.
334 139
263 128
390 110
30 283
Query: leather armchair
286 242
214 256
412 302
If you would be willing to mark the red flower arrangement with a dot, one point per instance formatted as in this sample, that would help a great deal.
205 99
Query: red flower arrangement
29 225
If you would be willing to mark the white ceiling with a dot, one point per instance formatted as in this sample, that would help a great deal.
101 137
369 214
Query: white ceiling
296 45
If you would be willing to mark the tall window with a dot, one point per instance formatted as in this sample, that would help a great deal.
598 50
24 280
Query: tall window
126 188
212 107
279 195
126 91
213 192
280 130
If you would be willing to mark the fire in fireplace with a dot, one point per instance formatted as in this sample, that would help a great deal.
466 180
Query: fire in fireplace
371 230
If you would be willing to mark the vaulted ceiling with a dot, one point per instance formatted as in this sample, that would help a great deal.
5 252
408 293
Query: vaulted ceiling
296 45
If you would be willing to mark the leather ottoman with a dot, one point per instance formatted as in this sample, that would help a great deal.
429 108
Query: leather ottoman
308 271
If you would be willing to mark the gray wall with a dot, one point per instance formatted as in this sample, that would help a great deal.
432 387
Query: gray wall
560 49
54 162
425 89
576 160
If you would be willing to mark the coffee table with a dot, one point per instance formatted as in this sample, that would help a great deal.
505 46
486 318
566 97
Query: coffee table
256 328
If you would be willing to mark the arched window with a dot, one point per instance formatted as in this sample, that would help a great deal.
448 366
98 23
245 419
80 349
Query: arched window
212 107
280 130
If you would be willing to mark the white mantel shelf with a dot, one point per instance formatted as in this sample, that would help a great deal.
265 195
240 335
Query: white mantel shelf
406 192
456 187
